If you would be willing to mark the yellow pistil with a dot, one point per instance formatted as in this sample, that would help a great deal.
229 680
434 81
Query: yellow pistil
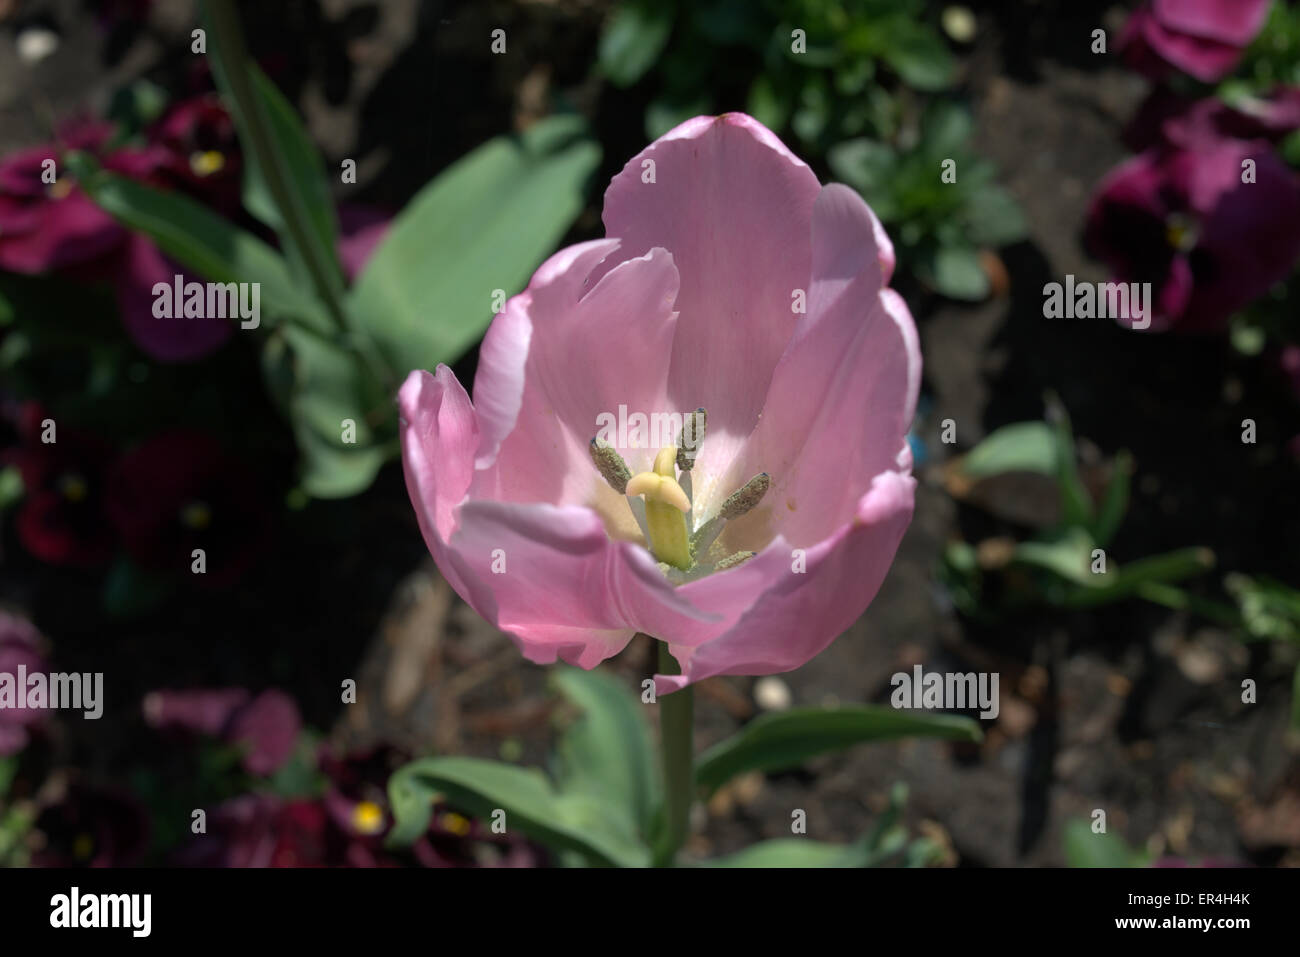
206 162
1180 232
666 506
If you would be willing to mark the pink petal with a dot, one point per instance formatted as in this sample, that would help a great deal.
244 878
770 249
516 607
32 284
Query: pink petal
551 577
1207 60
440 435
733 206
843 395
596 347
795 616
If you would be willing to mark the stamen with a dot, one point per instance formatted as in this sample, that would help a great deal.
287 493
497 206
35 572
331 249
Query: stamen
746 497
611 466
731 561
692 437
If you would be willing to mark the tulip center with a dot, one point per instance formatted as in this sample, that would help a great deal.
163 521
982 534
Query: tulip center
661 501
206 162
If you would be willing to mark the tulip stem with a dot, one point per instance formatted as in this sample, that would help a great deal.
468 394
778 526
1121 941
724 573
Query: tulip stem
676 727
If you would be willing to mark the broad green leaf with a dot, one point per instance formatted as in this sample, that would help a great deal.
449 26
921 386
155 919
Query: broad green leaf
1019 447
202 241
993 217
957 273
774 742
918 55
797 852
482 225
607 751
574 822
945 128
319 385
1084 848
633 39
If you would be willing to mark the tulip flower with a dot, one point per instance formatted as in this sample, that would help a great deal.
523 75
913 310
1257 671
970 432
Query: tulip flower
738 293
1203 38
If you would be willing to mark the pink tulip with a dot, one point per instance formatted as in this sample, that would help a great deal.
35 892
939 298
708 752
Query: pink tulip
718 234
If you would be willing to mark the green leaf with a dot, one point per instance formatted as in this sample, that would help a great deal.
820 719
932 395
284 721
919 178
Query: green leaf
1114 504
957 274
774 742
1083 848
993 217
870 167
284 180
634 37
1269 610
945 128
482 225
573 822
1129 579
1076 503
1068 556
202 241
11 486
918 55
797 852
607 752
318 385
1019 447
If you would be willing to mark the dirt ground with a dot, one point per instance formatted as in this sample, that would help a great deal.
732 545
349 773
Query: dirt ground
1133 709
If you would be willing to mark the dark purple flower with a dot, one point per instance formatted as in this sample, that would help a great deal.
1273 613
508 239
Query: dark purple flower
62 519
1167 119
90 826
19 647
180 491
50 226
1183 220
1204 38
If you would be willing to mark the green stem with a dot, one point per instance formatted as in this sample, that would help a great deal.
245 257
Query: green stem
676 726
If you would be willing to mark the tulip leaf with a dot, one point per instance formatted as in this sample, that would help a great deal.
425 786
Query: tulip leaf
1132 578
634 37
202 241
482 225
1086 848
1114 504
329 398
607 751
798 852
774 742
1068 556
284 179
1019 447
567 822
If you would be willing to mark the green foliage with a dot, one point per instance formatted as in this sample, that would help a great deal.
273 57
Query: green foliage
1086 848
1064 566
842 77
779 741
